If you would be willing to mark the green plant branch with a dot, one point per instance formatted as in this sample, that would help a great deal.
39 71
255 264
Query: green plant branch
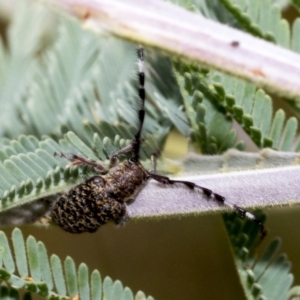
32 270
259 188
173 29
274 173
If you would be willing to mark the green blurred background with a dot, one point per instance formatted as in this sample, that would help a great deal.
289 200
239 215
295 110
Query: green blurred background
187 258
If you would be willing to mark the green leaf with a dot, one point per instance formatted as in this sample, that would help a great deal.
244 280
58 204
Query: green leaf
20 253
269 25
263 276
58 275
71 277
107 288
117 292
33 258
127 295
81 146
277 126
45 265
96 286
83 282
140 296
10 293
6 257
40 282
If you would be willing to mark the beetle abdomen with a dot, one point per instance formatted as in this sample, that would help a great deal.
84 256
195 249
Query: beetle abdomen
87 206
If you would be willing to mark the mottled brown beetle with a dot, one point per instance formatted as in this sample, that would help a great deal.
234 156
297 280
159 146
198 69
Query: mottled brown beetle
103 198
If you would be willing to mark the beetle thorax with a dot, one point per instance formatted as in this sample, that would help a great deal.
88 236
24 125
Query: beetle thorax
125 179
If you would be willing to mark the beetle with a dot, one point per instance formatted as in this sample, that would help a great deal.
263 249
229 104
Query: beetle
104 197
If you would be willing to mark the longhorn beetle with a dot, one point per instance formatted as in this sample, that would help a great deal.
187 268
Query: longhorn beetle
103 197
